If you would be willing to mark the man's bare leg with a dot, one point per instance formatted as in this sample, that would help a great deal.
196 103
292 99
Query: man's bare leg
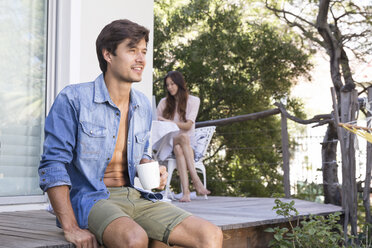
157 244
196 232
124 232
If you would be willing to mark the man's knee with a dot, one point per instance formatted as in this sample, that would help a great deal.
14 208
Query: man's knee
125 233
218 236
196 232
137 241
212 236
130 239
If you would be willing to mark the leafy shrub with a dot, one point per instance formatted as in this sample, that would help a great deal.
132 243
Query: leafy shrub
316 231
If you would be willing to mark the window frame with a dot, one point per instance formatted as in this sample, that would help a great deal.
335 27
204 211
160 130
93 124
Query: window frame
50 91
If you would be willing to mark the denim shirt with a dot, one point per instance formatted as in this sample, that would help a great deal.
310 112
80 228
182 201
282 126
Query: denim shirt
80 138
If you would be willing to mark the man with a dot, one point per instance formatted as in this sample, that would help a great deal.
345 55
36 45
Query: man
95 135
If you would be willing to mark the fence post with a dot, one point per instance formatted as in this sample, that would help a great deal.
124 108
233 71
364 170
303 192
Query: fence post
285 153
349 107
367 184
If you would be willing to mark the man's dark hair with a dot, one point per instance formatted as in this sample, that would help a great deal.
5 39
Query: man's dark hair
116 32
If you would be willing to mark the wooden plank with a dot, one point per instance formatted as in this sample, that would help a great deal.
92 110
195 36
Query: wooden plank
9 241
238 212
6 222
35 214
46 218
32 233
30 229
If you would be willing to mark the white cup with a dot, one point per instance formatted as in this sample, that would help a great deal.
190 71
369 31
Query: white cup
149 175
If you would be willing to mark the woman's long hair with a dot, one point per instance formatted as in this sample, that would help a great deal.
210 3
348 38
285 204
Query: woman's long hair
182 95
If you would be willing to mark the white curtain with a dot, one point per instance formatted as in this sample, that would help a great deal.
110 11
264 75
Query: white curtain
23 35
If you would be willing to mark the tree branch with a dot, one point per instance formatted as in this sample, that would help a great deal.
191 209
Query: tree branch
306 33
289 13
321 119
332 43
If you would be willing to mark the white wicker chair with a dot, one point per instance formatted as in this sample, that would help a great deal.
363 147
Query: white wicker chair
203 137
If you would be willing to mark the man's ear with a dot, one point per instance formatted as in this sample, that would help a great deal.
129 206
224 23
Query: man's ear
106 55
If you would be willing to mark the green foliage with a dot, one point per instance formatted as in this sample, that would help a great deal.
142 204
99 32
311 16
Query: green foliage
316 231
364 237
237 65
285 209
309 191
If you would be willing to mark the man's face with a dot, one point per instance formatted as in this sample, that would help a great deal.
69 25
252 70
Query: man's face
129 62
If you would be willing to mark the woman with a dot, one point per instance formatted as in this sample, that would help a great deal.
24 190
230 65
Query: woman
181 108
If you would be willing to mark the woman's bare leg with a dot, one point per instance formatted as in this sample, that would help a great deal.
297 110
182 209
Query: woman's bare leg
184 141
182 171
199 186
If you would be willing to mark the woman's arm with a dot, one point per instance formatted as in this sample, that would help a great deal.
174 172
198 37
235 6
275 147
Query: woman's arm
192 109
185 126
160 109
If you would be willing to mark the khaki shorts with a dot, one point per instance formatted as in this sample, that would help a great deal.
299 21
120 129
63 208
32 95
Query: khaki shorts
158 219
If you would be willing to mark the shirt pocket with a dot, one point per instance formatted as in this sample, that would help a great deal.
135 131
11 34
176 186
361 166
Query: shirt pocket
91 140
141 139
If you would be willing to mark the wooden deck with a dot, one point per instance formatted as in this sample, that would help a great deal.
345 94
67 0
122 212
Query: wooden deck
241 219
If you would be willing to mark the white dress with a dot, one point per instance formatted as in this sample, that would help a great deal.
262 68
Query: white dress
164 146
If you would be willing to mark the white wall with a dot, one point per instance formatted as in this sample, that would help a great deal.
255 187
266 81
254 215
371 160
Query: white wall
95 14
80 22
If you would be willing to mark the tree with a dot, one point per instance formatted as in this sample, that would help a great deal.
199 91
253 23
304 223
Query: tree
343 30
236 65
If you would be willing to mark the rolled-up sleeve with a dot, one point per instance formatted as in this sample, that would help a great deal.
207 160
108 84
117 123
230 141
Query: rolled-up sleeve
192 108
161 107
59 143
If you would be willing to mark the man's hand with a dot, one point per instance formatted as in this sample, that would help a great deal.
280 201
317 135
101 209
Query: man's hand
81 238
59 197
162 170
146 160
163 176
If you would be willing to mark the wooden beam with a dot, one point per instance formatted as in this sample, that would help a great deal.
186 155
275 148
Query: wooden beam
239 118
349 107
320 119
343 152
367 182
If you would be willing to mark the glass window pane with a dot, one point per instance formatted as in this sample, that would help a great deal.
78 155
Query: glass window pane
23 25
